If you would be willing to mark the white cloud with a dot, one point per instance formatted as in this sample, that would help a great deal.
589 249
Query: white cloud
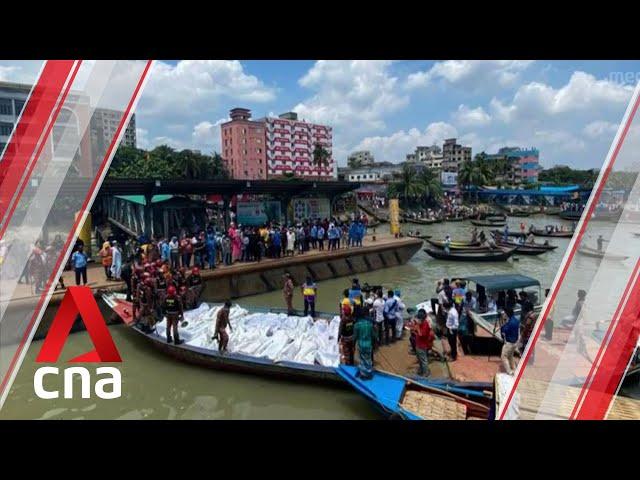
206 135
355 94
20 71
394 147
199 86
600 129
470 73
142 138
471 117
560 141
582 93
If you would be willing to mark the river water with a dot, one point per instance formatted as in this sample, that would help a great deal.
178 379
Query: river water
156 387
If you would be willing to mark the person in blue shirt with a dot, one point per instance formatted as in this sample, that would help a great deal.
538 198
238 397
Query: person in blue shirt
360 232
321 233
510 332
277 244
210 243
313 236
352 235
79 262
165 251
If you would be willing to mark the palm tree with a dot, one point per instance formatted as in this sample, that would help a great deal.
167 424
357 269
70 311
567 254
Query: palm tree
473 174
407 186
430 184
320 156
190 164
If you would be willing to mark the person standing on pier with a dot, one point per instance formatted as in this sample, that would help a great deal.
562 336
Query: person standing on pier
424 337
105 253
320 237
363 338
116 262
510 332
291 241
287 292
79 262
210 243
452 325
309 292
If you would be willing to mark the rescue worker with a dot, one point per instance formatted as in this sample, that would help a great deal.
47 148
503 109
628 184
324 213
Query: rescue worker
194 283
345 333
172 309
161 292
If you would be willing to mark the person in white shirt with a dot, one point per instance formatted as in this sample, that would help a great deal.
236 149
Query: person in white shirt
378 308
291 241
452 329
399 318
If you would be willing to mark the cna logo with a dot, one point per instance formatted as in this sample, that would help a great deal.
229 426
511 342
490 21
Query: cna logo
79 301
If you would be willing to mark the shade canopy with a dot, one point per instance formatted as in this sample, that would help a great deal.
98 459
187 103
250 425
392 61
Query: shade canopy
493 283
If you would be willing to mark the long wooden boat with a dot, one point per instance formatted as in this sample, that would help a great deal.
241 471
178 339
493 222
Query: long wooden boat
421 237
498 236
401 398
422 221
501 255
455 219
607 216
485 223
520 249
594 253
544 233
454 244
228 361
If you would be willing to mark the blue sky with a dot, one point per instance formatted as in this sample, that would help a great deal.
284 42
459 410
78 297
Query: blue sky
570 110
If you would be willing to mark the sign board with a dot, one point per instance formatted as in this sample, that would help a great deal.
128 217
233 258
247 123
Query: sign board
258 213
311 208
449 179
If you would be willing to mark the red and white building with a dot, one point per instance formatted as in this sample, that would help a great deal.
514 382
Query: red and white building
272 147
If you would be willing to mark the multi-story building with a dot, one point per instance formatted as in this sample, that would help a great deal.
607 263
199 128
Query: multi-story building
106 121
103 124
362 158
516 165
430 157
272 147
454 155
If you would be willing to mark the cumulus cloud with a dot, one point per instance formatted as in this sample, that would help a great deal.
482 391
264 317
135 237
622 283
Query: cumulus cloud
20 71
471 117
357 94
394 147
198 86
470 73
582 93
600 129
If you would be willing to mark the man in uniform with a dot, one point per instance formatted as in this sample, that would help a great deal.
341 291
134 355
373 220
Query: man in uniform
194 283
172 309
222 321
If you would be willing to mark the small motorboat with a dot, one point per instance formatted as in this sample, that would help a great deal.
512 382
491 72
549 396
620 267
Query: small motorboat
594 253
405 399
501 254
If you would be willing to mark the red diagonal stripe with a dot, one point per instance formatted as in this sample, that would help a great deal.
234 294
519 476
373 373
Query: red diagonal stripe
586 215
29 138
72 234
623 338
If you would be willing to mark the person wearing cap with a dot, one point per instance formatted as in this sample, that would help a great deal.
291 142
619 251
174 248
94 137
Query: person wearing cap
116 262
194 283
173 310
105 253
287 292
423 338
309 292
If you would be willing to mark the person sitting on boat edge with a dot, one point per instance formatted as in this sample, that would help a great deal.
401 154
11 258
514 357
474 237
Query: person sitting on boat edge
363 338
222 321
172 309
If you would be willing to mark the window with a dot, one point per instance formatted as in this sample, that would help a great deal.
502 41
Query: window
5 107
6 128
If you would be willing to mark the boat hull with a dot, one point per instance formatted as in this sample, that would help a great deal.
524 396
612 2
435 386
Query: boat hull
487 256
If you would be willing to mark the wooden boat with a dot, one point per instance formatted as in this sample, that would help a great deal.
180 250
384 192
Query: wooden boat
544 233
501 255
455 245
455 219
607 216
499 238
485 223
520 213
510 234
402 398
421 237
592 252
228 361
520 249
421 221
570 215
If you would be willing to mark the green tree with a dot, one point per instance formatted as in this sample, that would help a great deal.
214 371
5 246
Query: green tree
473 174
430 184
407 186
320 156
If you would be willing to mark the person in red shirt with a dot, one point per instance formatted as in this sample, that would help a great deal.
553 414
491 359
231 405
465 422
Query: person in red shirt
424 337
